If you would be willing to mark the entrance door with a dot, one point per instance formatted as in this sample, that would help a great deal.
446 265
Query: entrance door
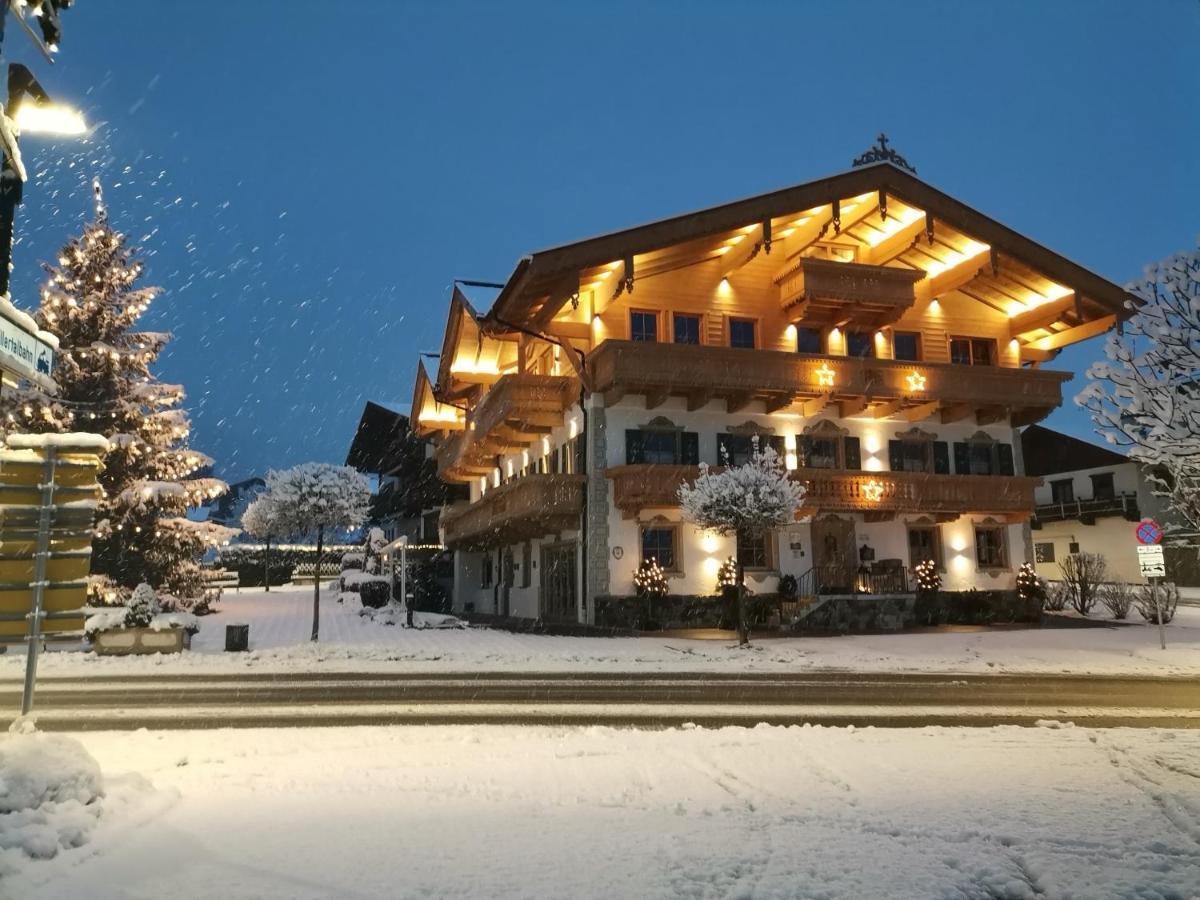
557 601
834 554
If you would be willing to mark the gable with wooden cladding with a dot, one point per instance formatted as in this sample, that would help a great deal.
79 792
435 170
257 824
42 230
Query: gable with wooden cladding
873 249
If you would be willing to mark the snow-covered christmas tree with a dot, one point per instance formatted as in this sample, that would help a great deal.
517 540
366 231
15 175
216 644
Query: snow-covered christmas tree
106 387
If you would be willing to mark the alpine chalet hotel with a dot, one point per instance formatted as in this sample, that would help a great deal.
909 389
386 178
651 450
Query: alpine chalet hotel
885 338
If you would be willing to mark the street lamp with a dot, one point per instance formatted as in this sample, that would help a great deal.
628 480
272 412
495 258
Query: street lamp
29 109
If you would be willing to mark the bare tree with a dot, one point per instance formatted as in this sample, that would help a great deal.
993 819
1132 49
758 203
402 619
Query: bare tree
1117 599
1083 573
1168 602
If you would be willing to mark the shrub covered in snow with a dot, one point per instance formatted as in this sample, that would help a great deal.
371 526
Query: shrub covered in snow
143 607
50 792
374 594
1168 602
1117 599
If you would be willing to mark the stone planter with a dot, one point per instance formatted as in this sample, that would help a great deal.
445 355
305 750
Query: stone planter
137 641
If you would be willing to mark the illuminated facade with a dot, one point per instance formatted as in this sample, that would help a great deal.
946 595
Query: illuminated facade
884 338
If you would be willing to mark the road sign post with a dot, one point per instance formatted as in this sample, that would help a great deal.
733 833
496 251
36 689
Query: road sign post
1153 566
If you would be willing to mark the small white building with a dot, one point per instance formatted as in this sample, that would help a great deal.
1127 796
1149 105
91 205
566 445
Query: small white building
1090 501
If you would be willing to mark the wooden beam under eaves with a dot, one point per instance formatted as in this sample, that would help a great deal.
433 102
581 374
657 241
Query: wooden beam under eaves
951 278
1073 335
743 251
1040 316
893 245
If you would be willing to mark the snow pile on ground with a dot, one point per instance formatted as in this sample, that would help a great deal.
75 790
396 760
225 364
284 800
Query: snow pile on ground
506 812
395 614
50 793
281 623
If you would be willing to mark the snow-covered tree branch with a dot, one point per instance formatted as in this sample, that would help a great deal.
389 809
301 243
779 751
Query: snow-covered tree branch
1147 395
746 501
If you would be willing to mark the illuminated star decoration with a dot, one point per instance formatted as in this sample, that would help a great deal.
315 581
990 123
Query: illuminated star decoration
825 375
873 491
916 381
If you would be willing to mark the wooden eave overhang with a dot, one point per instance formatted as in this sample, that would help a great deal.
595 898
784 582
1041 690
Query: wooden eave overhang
543 281
428 414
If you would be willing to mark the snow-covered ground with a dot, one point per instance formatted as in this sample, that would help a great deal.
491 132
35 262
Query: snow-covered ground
502 812
280 623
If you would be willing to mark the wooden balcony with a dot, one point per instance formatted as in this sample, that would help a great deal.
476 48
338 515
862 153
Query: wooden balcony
824 293
878 495
808 384
517 411
528 507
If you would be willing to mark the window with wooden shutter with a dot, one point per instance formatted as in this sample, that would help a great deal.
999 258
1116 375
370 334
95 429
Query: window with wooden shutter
962 458
852 450
941 458
1004 454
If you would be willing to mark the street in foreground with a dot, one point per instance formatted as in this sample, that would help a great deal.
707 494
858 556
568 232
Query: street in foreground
280 623
595 812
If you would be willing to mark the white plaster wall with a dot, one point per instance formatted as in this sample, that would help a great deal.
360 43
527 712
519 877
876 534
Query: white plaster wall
1111 536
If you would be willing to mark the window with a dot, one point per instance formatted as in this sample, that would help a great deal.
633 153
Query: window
1102 486
1073 547
527 564
808 340
658 543
860 344
662 446
1062 491
736 449
990 550
829 451
643 326
741 333
687 329
486 575
1043 552
972 351
982 456
906 345
924 543
752 552
919 454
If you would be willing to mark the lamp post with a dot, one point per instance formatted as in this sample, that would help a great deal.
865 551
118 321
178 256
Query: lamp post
29 110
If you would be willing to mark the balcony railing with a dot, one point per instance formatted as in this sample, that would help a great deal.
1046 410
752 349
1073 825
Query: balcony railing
884 386
638 487
1084 510
858 295
528 507
515 412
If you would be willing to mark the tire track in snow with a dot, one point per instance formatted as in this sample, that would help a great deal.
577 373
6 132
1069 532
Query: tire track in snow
1174 807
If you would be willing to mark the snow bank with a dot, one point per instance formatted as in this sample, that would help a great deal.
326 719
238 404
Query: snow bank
50 792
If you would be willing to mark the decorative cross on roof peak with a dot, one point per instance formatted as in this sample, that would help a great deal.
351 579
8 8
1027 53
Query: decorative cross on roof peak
881 152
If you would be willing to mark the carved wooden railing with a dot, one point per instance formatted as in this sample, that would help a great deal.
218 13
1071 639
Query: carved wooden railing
528 507
703 372
637 487
514 411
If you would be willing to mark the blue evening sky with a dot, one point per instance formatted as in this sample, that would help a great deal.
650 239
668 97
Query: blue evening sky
310 176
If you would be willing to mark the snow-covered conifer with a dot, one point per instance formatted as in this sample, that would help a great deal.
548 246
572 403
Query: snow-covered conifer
102 368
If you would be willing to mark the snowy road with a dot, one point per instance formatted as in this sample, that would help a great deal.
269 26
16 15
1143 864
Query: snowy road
496 812
638 699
